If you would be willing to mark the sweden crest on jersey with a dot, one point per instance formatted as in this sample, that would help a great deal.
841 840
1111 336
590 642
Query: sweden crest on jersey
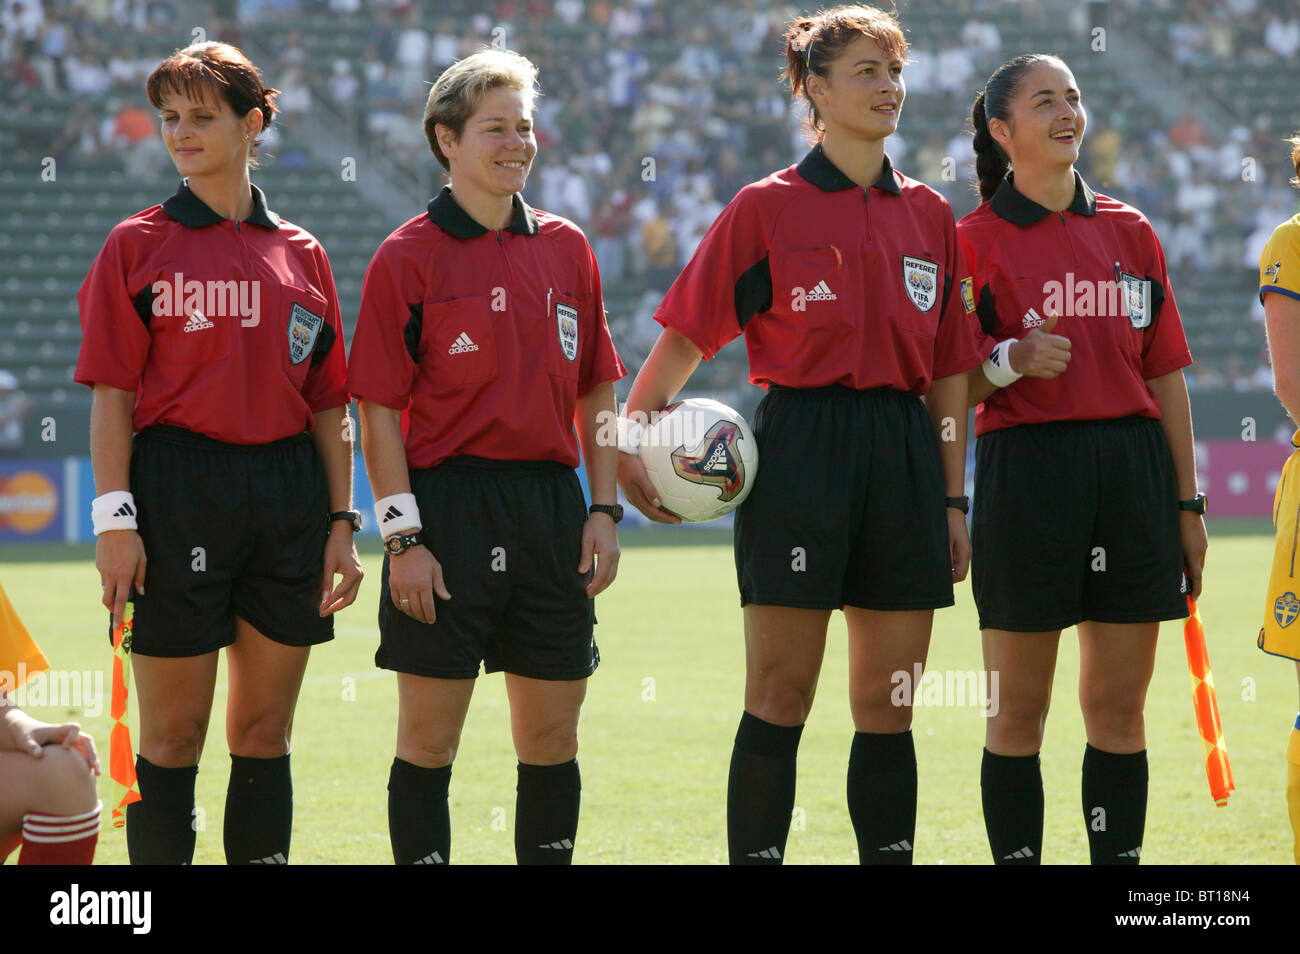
566 322
303 329
921 279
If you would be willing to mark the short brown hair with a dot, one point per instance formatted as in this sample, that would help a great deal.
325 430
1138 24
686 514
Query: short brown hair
206 70
812 42
462 86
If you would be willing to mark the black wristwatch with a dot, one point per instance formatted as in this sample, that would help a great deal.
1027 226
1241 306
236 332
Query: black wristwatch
1195 505
351 516
615 512
959 503
401 542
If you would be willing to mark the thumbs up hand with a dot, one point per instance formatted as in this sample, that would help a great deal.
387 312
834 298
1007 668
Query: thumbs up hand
1041 354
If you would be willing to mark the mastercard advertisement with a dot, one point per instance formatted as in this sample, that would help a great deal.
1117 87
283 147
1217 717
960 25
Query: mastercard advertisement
31 500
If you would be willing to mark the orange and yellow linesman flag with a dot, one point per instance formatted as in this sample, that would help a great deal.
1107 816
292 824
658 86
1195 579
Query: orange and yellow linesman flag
20 657
121 759
1217 769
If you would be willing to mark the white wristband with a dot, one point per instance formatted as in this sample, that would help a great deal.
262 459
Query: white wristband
630 436
114 510
397 513
997 368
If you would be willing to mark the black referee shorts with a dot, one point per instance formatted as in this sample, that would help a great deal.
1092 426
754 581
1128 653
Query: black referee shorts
1073 521
229 530
848 505
508 535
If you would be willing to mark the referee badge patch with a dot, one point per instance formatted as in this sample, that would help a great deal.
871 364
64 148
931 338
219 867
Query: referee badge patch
303 329
1137 299
921 279
566 325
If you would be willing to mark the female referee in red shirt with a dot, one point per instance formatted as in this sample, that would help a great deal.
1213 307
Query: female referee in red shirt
1086 510
482 321
846 280
211 330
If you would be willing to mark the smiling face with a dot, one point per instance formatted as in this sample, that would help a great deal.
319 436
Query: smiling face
204 136
1046 122
863 94
494 153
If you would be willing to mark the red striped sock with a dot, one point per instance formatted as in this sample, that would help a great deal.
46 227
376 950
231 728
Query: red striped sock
60 839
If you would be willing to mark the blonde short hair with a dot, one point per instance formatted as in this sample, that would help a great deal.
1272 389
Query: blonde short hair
462 86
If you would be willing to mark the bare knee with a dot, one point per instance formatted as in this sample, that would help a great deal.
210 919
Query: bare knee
259 736
549 743
429 747
64 783
779 702
1113 718
176 743
1017 724
878 713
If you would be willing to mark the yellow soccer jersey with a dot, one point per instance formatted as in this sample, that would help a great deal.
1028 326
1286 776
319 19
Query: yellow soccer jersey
1279 264
20 659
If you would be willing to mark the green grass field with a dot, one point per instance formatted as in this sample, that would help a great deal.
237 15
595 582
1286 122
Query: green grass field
662 710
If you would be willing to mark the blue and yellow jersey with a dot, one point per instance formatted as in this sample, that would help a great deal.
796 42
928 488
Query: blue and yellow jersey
1279 263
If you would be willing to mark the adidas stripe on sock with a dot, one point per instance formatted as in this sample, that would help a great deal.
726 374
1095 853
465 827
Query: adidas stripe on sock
1011 790
760 791
60 839
1114 805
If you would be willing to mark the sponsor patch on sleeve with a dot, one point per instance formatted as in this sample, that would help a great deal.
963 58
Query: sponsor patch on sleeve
968 294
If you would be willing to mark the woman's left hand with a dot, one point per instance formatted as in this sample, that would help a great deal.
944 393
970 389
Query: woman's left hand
599 544
958 544
31 736
1195 543
340 559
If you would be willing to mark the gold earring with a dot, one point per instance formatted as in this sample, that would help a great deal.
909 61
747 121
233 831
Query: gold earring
245 138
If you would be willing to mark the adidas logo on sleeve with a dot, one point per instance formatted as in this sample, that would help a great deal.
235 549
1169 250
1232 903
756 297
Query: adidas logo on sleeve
463 344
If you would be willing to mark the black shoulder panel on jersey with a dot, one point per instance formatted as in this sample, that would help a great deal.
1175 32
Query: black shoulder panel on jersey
144 304
987 312
947 289
324 341
753 292
414 328
1157 296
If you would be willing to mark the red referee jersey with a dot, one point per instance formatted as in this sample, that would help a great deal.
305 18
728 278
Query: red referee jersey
228 329
488 337
832 283
1100 267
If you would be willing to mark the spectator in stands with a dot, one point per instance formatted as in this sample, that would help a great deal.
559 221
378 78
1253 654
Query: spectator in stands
14 409
1283 36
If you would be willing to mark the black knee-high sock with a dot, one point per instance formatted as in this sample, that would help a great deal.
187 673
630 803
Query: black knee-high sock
259 811
882 796
1011 787
419 823
160 827
546 813
760 791
1114 805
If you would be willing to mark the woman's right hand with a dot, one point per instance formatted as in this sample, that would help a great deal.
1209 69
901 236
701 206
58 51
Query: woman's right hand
1041 354
120 560
413 577
639 491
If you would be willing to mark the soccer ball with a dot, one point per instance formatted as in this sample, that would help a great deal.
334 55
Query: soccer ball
701 457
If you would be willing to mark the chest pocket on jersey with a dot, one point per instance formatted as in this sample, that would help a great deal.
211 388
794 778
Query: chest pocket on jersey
192 321
301 330
564 338
818 288
458 343
921 303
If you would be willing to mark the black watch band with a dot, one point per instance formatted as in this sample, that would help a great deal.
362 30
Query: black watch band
401 542
959 503
351 516
1196 505
614 512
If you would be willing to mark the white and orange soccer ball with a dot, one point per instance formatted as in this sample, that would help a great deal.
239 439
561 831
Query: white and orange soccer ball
701 457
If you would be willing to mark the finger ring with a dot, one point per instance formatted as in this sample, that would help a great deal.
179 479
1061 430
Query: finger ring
404 602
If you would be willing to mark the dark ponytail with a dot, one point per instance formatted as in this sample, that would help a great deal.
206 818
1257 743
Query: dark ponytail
994 102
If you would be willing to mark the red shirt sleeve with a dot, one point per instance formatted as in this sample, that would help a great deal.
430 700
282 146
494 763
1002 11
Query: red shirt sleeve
379 366
722 286
114 340
961 344
600 362
326 383
1164 344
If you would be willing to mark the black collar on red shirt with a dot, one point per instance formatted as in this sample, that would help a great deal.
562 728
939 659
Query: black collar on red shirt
191 211
1022 211
446 213
822 173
